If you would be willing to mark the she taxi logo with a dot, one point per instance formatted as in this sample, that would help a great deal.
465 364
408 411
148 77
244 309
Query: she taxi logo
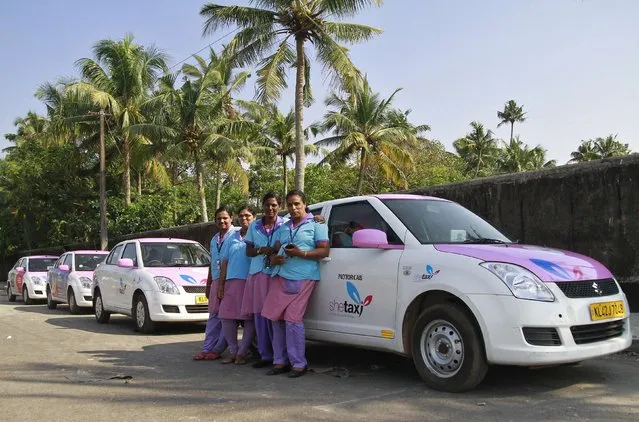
350 309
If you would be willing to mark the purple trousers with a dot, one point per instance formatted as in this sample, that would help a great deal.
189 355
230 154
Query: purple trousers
214 340
229 327
264 335
289 344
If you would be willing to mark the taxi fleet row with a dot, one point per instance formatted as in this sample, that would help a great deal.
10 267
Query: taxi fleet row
418 276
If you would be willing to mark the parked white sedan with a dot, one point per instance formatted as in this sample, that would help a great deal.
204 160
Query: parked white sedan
153 280
71 278
28 277
426 278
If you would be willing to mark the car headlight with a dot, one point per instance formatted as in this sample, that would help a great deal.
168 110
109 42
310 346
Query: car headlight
522 283
166 285
36 280
86 282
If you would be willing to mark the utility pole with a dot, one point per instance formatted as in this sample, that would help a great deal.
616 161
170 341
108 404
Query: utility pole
104 238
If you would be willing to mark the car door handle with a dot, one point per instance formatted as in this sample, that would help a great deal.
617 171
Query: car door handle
327 259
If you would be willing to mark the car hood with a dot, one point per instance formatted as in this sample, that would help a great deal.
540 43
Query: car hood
548 264
87 274
42 275
182 276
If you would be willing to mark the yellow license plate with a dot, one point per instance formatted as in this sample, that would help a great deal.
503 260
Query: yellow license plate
607 310
201 300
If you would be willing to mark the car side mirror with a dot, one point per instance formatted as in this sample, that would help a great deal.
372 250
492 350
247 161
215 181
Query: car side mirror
125 263
20 269
372 238
63 267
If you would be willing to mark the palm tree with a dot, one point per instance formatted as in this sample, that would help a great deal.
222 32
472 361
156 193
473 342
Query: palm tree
365 126
587 151
201 113
278 133
119 81
598 148
286 27
478 148
30 128
512 113
516 156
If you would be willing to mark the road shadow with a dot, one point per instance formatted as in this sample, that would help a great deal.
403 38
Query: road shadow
121 325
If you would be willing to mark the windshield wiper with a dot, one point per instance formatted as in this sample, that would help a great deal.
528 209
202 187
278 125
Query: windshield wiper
485 240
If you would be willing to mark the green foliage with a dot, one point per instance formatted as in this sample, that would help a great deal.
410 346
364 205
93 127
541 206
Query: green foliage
598 148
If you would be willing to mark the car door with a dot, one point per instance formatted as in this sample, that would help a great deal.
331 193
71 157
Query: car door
11 277
52 276
358 288
125 276
19 275
109 281
63 276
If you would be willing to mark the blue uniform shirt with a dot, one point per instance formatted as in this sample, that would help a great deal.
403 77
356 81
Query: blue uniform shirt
235 254
258 237
305 236
216 247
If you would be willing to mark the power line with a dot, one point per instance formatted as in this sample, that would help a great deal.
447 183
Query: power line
206 46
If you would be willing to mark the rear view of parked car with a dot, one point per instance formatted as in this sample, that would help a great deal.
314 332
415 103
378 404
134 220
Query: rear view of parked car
28 278
71 278
153 280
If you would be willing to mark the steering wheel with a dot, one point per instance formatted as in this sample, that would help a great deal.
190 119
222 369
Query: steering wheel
154 261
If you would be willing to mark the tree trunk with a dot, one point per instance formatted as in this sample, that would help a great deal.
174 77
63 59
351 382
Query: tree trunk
139 183
126 177
174 173
478 165
104 237
299 115
218 186
285 170
362 165
204 217
512 128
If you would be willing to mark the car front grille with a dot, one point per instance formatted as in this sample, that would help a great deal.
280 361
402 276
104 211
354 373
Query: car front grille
592 333
88 298
541 336
171 309
194 289
197 309
38 292
595 288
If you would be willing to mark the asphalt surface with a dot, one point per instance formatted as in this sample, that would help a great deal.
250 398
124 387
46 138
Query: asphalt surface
57 366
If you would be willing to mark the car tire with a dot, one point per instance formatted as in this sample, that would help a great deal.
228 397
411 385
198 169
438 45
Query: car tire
74 309
447 349
10 295
141 315
25 295
50 303
101 315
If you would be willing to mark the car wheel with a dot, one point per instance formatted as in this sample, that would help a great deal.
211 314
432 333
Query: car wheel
73 305
141 315
447 349
50 303
101 315
10 295
25 295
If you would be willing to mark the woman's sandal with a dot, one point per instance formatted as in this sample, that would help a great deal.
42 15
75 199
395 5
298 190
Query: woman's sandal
240 360
227 360
207 356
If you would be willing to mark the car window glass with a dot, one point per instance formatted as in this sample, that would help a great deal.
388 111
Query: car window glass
129 252
67 261
17 264
114 255
58 262
24 263
346 219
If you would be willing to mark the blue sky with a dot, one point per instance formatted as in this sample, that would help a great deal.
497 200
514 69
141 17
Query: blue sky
573 64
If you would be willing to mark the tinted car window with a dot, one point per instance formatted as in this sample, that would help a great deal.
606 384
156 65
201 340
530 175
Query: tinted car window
114 255
346 219
39 265
156 254
129 252
88 262
68 260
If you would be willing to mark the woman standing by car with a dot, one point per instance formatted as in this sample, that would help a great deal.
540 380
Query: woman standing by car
230 290
259 246
300 243
214 341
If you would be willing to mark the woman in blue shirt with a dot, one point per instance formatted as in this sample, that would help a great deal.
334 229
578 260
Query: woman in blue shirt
300 244
230 291
214 342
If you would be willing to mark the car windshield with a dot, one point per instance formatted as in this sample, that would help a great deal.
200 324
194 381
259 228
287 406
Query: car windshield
88 262
158 254
433 221
39 265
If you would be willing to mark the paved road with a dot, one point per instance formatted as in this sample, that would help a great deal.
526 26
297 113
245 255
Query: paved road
57 366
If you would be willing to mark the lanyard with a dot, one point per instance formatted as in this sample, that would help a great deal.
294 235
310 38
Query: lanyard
294 233
269 235
220 244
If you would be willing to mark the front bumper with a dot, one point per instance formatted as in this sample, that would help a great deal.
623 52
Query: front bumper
183 307
37 291
576 336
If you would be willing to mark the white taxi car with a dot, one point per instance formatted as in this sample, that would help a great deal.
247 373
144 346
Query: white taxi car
71 278
28 277
153 280
426 278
